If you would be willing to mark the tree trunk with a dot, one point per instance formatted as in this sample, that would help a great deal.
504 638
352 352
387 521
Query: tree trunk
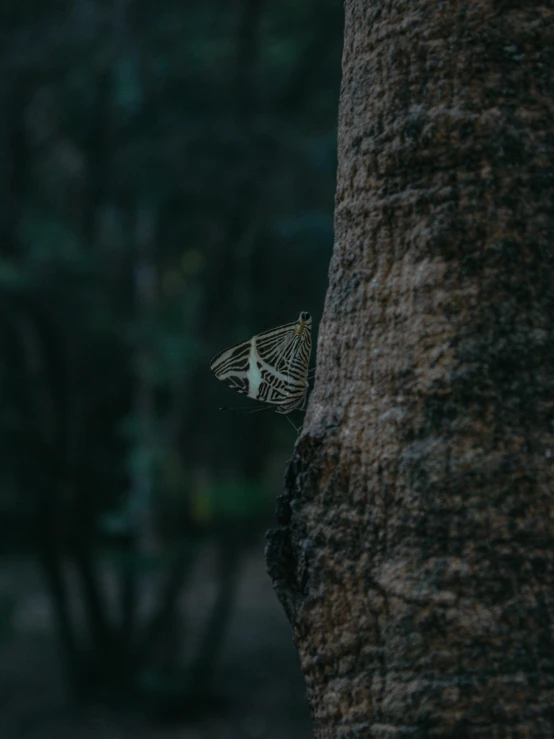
416 561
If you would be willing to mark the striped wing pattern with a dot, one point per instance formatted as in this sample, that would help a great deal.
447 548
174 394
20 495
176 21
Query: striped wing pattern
271 367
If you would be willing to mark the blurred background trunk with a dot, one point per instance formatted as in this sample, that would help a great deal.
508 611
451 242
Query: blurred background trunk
416 558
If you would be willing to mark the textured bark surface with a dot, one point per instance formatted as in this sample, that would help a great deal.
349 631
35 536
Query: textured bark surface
416 554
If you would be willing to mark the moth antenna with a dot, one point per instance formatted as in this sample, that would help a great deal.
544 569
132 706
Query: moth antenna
243 410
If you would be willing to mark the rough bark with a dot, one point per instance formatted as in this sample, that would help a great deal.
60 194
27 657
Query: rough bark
416 555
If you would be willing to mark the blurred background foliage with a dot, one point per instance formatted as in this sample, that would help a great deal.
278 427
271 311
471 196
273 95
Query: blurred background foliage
167 177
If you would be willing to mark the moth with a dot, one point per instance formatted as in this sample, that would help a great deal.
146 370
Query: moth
271 367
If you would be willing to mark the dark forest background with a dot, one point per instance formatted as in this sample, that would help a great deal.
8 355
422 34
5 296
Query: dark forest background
167 174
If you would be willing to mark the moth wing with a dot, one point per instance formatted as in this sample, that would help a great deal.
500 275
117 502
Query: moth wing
231 366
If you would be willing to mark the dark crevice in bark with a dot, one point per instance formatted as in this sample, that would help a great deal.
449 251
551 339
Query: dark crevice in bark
289 551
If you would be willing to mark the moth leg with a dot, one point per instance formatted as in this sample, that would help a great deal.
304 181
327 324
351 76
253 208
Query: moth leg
298 429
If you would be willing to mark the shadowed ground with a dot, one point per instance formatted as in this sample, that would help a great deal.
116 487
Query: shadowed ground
258 683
